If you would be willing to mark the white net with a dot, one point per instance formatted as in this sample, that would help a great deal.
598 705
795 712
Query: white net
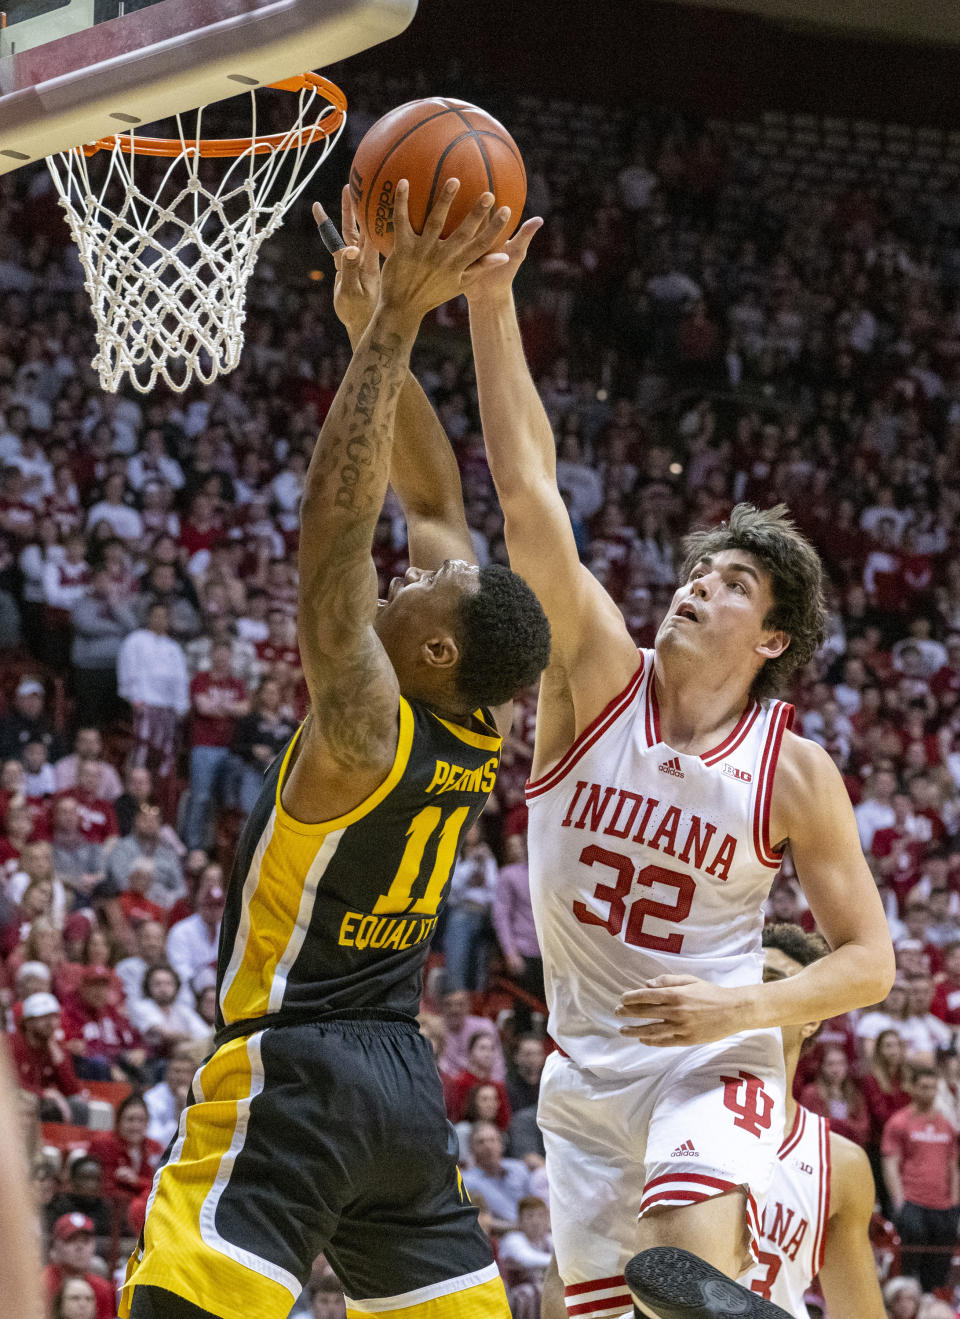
168 243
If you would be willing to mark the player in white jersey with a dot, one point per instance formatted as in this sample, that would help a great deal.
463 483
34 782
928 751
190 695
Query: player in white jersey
816 1217
649 895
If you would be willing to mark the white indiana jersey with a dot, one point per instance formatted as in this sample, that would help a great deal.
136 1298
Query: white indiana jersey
793 1222
646 861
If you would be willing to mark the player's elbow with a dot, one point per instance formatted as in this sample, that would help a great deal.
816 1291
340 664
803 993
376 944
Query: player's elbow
880 969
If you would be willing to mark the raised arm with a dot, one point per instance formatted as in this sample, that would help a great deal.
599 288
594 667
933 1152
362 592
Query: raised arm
423 468
591 644
350 742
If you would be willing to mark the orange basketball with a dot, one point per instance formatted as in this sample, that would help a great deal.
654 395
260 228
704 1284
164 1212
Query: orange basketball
428 142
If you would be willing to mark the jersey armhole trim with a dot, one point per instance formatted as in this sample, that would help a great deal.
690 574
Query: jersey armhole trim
823 1203
781 719
593 731
402 756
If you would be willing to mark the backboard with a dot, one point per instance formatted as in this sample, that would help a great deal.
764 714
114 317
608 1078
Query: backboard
73 71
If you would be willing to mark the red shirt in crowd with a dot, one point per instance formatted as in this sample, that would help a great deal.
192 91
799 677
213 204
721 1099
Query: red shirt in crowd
105 1033
946 1002
269 653
127 1171
214 730
881 1104
54 1278
460 1089
925 1146
36 1070
96 819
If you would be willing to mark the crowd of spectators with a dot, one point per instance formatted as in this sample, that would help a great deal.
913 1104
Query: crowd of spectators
701 333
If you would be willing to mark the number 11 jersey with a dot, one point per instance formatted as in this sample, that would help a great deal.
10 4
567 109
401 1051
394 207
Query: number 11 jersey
334 919
646 861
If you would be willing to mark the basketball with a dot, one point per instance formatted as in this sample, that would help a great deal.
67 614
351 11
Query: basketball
428 142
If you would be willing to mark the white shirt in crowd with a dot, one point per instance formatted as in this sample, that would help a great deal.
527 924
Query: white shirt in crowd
190 947
153 670
146 1015
125 522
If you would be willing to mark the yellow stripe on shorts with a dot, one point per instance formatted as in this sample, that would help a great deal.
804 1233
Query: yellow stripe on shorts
183 1252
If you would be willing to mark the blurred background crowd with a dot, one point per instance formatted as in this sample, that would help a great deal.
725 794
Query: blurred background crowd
715 311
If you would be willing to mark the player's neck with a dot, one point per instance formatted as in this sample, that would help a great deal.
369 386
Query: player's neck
696 709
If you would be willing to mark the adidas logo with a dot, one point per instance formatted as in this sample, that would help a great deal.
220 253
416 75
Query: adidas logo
685 1151
671 766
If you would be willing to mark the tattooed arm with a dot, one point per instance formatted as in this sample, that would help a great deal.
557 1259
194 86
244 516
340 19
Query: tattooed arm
423 470
350 741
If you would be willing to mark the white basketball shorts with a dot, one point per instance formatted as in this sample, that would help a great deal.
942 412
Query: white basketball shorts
709 1121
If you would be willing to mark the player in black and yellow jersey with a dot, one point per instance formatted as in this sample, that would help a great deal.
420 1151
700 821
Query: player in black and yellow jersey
318 1122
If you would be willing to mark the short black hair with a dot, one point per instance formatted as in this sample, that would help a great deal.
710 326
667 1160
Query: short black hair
504 638
796 582
795 943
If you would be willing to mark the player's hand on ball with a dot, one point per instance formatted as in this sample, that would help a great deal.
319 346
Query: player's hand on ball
484 281
682 1010
357 284
425 270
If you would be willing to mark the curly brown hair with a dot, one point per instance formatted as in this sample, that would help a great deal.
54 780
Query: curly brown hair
796 582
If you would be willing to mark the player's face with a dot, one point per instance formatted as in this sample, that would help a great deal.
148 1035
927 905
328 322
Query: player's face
419 617
720 610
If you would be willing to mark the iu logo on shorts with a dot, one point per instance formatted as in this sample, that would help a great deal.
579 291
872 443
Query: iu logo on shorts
754 1111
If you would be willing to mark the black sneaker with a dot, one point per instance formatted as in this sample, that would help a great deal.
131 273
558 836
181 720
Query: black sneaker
667 1283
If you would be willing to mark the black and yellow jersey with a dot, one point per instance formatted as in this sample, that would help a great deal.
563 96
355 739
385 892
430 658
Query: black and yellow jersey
324 919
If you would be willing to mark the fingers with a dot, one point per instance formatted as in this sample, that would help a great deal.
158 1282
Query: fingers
437 216
348 216
518 244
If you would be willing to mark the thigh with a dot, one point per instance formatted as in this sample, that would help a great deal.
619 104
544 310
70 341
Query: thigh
716 1126
595 1137
409 1233
232 1224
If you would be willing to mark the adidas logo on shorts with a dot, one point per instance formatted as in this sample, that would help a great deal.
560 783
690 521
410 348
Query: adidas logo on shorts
685 1151
672 766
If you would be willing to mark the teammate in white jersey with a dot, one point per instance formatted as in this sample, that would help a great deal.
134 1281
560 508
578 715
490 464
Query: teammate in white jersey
650 893
816 1218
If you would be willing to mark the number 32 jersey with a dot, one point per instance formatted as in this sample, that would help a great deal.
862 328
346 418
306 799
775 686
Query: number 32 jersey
646 861
332 918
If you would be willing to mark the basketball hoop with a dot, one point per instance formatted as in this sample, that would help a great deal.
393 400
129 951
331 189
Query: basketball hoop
166 263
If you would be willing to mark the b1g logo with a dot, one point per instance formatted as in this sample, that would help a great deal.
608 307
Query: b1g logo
383 219
754 1111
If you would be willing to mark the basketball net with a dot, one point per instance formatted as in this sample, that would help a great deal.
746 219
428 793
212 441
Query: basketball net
166 263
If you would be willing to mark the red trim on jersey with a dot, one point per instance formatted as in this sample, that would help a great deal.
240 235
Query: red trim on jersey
715 1183
780 720
823 1207
618 1303
729 744
792 1140
652 713
735 736
601 1284
593 730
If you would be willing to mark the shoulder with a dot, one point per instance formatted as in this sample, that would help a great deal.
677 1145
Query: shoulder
802 762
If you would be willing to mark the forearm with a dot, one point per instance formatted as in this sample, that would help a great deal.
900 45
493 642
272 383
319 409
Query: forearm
891 1175
516 429
423 469
852 976
348 473
850 1287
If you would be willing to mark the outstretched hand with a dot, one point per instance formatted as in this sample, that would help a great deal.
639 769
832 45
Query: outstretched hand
483 281
357 284
425 270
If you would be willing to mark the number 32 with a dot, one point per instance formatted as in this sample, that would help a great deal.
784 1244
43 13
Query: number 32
616 895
